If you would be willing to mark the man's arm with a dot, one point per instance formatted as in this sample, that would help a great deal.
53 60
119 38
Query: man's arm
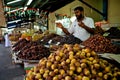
90 30
63 29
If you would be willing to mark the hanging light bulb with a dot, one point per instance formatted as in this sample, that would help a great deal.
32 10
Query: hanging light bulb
29 2
13 1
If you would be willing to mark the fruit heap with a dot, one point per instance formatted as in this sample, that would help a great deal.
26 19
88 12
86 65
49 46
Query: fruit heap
56 39
27 46
34 52
70 39
14 37
36 36
73 63
114 32
19 44
53 48
99 43
67 39
46 38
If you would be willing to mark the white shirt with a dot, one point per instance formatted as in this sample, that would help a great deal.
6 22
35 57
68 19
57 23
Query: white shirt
80 32
7 41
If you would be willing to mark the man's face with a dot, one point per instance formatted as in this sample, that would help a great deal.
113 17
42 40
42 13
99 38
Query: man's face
79 14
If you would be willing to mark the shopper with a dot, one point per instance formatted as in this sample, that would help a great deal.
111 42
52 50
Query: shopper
82 27
7 41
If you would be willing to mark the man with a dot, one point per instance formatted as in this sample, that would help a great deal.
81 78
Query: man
82 27
7 41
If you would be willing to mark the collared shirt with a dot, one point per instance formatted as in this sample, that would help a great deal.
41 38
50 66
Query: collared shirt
80 32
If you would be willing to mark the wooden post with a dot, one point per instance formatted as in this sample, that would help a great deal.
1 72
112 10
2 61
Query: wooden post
2 16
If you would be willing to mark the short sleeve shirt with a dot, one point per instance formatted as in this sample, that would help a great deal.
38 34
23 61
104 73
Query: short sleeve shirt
80 32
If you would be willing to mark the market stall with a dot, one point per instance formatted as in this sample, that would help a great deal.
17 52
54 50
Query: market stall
94 52
48 54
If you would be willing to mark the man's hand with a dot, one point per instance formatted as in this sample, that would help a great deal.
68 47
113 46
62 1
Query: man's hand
59 25
81 24
90 30
62 27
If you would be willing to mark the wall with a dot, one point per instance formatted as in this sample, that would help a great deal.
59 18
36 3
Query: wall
113 11
97 4
68 10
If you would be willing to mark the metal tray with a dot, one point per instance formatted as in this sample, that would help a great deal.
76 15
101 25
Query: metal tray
30 61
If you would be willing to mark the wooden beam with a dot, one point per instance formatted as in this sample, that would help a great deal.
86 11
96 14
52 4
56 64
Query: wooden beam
105 9
103 14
